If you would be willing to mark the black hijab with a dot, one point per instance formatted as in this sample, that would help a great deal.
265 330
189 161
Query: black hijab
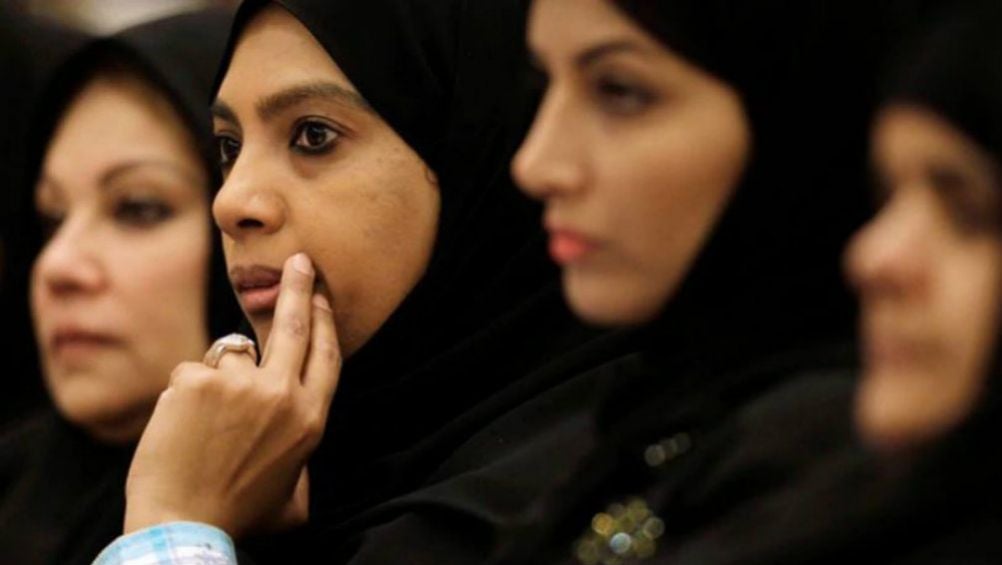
769 282
61 492
29 51
478 333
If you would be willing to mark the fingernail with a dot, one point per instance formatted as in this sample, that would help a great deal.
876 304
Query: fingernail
301 263
320 301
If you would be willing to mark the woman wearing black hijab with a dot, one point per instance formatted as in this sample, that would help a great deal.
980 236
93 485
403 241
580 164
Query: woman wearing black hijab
733 423
101 257
447 311
928 269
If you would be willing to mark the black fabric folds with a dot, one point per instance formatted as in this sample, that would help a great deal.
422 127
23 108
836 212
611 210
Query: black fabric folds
61 492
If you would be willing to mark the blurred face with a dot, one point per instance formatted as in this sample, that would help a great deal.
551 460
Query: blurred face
927 270
311 167
634 153
119 290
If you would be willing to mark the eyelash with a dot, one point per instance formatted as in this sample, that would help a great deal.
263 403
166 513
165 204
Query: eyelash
229 150
229 146
131 212
142 212
303 129
621 97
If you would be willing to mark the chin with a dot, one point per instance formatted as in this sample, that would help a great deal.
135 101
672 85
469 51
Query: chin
105 415
890 418
607 303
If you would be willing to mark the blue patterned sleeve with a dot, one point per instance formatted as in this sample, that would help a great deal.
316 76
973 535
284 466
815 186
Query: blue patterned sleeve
174 543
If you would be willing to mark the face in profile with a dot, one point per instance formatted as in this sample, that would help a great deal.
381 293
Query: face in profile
119 290
927 270
634 153
310 167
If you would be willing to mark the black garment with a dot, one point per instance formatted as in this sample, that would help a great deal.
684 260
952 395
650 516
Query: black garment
62 494
486 329
735 419
29 51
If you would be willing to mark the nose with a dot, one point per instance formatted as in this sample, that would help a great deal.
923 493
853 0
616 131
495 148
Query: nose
890 256
69 264
247 203
550 163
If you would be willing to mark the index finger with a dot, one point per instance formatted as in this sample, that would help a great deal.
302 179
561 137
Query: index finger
290 330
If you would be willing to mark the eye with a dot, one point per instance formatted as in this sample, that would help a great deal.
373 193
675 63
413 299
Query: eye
229 150
622 97
314 138
972 209
142 212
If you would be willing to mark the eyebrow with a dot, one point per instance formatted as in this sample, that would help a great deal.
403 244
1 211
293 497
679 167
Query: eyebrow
108 177
273 104
591 55
111 175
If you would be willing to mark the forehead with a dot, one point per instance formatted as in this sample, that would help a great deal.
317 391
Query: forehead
907 133
273 51
115 120
561 27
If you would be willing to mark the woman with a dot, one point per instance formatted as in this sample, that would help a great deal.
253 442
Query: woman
697 163
385 163
125 282
928 270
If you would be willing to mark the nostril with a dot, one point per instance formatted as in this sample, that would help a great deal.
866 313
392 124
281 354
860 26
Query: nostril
249 223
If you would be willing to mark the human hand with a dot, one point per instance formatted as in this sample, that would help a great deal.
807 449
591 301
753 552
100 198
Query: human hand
228 446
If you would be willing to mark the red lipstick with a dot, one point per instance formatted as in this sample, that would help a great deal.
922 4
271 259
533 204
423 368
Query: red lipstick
569 247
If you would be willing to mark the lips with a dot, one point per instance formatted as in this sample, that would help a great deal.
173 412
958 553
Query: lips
568 247
258 288
75 341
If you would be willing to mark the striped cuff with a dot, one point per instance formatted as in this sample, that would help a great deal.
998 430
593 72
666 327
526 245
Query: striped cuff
174 543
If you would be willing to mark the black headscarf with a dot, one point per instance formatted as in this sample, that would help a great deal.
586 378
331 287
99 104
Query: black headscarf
61 492
445 75
29 51
769 279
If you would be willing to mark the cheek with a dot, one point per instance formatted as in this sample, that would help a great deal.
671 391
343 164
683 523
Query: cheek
668 197
371 236
962 318
969 304
39 302
164 282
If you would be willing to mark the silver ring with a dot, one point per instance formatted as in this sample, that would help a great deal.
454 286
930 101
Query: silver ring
233 343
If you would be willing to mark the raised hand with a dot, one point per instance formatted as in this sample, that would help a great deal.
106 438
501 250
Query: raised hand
228 445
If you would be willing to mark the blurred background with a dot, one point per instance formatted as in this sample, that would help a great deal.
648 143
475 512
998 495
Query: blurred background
108 16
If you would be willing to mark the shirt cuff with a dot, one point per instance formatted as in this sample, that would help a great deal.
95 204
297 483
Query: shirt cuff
173 543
